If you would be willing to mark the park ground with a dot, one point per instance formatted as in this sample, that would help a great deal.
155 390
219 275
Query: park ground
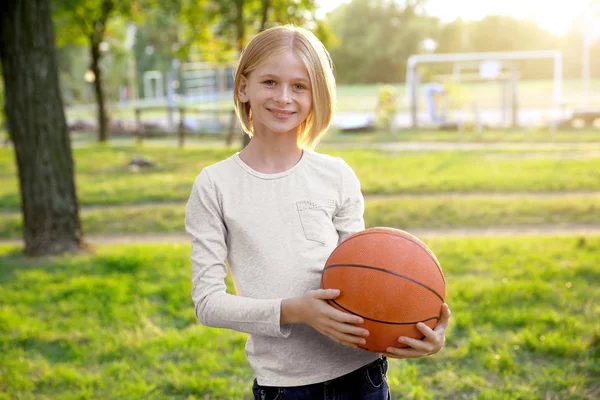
513 216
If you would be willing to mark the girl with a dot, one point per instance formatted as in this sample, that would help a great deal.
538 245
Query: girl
275 211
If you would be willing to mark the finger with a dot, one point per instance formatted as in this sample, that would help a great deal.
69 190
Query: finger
427 331
325 294
349 329
419 345
341 337
445 318
395 352
433 339
354 346
345 317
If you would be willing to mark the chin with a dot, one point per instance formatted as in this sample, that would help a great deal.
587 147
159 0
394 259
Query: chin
284 130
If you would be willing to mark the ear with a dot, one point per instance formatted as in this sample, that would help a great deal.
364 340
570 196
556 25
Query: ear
242 89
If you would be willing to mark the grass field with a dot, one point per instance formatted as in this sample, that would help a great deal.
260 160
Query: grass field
405 212
517 137
522 138
103 176
119 324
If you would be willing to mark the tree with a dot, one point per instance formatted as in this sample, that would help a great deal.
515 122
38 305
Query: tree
38 129
87 20
376 49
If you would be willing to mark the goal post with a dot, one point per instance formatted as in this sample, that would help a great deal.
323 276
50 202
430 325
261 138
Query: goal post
412 81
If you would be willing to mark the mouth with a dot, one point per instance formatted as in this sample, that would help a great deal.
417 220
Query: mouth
281 114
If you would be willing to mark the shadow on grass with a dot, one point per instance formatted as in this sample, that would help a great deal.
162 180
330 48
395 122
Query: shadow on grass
55 351
87 263
13 260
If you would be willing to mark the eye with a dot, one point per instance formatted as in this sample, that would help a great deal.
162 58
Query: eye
269 82
298 86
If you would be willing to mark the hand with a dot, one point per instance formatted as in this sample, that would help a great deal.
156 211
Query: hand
432 343
312 309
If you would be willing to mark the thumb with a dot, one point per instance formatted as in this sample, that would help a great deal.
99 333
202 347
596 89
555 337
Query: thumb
327 293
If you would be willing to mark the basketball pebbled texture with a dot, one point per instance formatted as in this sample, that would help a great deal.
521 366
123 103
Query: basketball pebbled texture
389 278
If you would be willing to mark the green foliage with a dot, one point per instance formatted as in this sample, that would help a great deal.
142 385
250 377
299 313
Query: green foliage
77 22
378 53
120 324
238 20
396 30
457 95
386 107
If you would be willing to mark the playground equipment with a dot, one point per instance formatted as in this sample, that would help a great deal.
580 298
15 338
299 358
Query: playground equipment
206 85
203 81
493 66
153 85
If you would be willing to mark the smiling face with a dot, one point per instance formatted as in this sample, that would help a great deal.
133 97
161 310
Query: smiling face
279 94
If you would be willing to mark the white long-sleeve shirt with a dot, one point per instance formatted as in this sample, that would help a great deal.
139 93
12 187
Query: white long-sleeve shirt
275 231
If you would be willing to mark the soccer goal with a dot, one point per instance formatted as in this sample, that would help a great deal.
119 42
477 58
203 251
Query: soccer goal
483 88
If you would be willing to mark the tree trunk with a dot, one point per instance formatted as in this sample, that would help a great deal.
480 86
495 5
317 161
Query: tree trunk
266 5
95 67
96 37
240 26
240 30
38 129
241 36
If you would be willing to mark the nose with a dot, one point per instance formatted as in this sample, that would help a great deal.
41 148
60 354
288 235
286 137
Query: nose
283 95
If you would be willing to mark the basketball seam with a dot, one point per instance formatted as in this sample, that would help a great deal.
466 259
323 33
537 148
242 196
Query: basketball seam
382 322
392 232
386 271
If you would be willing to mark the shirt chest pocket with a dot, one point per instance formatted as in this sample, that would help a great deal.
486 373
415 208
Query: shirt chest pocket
316 218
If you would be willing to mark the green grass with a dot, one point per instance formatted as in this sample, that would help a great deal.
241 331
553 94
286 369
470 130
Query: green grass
120 324
470 171
576 138
517 138
406 213
480 212
103 176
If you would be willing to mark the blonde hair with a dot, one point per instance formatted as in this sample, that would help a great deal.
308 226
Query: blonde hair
318 63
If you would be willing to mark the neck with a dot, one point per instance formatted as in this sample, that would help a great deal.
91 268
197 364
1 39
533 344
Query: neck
273 155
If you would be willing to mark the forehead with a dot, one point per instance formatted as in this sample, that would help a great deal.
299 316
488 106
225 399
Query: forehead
284 65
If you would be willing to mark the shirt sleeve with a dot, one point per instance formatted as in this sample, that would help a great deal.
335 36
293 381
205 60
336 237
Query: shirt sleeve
214 307
350 217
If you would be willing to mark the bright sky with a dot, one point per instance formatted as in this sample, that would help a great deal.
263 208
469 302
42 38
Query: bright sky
553 15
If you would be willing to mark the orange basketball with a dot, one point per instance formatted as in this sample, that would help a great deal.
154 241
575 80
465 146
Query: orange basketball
389 278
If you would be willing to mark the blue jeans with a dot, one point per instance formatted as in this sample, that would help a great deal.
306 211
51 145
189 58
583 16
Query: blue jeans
366 383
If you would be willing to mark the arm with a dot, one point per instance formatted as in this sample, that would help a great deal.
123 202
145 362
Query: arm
214 307
349 218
